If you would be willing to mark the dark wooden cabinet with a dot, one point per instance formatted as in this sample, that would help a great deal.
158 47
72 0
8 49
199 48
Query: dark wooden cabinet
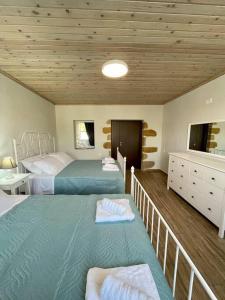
127 135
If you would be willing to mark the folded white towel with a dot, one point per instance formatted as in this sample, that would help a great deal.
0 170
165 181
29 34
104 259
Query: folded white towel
113 288
137 277
108 160
103 215
110 167
112 206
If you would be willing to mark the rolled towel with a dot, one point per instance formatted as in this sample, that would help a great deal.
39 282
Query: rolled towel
103 215
110 167
114 288
138 277
113 207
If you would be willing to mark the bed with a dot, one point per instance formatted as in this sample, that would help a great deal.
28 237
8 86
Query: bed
80 177
48 244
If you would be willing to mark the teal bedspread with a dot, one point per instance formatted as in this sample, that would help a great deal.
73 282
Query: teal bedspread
85 177
48 243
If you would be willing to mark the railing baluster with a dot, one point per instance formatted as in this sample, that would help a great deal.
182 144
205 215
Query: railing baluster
165 252
175 269
158 232
152 225
138 196
147 215
143 212
191 284
141 202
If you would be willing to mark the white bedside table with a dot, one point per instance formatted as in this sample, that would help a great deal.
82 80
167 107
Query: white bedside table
17 181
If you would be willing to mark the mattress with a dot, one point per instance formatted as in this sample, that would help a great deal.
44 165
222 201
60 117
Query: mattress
48 244
84 177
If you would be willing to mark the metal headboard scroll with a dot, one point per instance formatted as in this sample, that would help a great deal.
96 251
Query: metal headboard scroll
33 143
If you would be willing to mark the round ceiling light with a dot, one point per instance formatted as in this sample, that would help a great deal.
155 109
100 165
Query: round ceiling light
115 68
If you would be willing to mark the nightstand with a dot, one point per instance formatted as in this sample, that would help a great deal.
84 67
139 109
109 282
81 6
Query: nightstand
15 182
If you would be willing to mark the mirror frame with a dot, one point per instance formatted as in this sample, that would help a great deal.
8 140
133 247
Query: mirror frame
207 154
75 134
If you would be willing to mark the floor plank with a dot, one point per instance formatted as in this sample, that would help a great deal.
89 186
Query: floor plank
198 236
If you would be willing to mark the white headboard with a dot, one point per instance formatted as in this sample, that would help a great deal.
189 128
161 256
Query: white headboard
33 143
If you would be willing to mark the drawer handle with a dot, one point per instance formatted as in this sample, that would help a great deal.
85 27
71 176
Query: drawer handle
171 181
182 165
180 188
211 193
213 178
172 171
181 176
192 197
209 209
172 161
195 171
194 183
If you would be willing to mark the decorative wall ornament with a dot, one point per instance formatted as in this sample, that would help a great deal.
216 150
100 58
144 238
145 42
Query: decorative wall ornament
149 132
149 149
106 130
145 125
107 145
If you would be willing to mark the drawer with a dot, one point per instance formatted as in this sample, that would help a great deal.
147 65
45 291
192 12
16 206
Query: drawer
179 187
182 175
211 210
183 165
196 184
197 170
173 160
214 193
215 178
194 198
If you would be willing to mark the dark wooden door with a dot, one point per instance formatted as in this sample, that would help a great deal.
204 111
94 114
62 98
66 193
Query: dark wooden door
127 135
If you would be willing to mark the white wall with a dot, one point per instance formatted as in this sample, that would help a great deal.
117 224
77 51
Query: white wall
190 108
100 114
21 110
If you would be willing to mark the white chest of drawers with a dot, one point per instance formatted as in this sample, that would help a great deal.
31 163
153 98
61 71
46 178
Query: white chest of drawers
201 182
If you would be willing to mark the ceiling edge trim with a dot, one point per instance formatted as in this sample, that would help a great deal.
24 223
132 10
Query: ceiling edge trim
197 86
25 86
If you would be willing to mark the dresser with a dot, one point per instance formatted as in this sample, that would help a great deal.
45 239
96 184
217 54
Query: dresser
201 182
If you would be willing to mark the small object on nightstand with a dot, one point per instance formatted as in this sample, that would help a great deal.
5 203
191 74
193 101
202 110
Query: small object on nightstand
11 184
8 163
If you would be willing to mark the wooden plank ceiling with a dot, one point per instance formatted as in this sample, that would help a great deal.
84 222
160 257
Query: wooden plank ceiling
57 47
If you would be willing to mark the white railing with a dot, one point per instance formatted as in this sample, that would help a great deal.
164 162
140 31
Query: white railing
122 161
144 203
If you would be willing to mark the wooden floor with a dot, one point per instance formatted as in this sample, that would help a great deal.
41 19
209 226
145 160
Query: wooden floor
197 235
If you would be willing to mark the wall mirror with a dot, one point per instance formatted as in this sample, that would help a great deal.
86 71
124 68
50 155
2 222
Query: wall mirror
84 134
208 138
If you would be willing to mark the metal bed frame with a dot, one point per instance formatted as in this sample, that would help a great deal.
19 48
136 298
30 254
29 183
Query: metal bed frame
144 205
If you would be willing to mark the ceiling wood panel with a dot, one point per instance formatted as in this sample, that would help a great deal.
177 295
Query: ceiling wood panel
57 47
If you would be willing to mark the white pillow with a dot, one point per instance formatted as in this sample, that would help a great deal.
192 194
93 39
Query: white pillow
28 164
63 157
49 165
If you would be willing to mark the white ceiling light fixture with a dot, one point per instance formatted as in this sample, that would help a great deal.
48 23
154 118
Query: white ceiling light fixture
115 68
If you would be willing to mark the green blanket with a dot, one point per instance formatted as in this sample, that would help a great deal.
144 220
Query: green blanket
48 243
85 177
